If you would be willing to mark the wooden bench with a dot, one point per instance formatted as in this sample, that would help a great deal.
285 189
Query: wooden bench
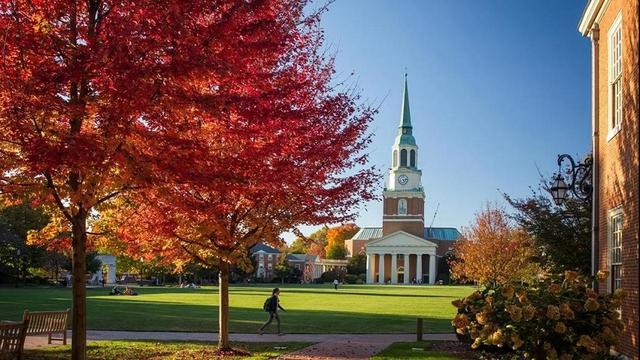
47 323
12 336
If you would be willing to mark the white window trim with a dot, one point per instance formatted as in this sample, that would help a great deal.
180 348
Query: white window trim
617 211
613 131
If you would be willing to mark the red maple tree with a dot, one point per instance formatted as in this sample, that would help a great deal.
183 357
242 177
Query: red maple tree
98 98
289 152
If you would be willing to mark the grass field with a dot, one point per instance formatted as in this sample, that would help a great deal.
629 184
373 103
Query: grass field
310 308
153 350
410 350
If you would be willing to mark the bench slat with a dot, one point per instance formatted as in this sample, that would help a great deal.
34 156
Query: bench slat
47 323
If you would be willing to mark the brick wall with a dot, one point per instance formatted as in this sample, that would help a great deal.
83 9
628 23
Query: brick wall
618 162
412 227
355 247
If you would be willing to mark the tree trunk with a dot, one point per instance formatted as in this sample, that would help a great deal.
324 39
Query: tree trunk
79 306
223 308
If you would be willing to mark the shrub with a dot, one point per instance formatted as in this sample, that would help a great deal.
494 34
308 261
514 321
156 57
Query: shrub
350 278
331 275
357 264
556 318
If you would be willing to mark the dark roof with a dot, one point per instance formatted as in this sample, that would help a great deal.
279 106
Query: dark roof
435 233
301 257
262 247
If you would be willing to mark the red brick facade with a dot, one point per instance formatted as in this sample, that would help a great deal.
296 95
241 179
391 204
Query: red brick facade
616 153
412 222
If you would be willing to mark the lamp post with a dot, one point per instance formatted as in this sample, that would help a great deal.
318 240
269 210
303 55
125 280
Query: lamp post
579 180
581 185
18 253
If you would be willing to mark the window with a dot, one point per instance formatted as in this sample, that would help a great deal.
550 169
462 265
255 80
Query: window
412 158
403 157
615 248
615 76
270 266
270 257
395 158
402 207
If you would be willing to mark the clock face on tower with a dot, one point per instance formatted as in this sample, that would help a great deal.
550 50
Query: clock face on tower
403 179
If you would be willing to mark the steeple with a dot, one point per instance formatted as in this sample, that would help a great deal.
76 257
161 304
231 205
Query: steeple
405 130
405 114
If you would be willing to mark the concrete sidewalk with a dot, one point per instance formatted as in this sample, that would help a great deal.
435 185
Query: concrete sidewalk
326 346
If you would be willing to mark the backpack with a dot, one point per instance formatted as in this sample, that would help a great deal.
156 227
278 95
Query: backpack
267 304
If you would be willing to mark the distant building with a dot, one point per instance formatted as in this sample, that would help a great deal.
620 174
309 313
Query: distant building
403 249
266 258
311 266
108 266
612 26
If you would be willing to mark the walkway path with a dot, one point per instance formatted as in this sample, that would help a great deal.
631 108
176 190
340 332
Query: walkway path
327 346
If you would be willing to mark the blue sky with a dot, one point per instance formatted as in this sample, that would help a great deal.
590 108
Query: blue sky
497 87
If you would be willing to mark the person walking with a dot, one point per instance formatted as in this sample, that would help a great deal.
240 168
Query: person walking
271 305
335 284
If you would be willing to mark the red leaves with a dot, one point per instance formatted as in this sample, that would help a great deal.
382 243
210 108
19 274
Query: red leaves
219 114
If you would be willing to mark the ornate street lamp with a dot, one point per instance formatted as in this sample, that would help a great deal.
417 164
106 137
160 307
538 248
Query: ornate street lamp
579 182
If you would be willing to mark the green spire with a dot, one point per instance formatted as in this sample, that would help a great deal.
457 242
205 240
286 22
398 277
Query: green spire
405 115
405 130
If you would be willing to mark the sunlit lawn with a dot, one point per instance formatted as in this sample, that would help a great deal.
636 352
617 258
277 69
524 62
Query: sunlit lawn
310 308
139 350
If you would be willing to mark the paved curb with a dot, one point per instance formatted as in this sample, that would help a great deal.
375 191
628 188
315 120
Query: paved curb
326 346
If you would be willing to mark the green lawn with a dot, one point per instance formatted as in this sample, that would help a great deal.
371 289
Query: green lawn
310 308
410 350
134 350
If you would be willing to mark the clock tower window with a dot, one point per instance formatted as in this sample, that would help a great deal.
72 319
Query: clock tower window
412 158
395 158
403 157
402 207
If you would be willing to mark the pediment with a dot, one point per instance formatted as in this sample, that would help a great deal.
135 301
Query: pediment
400 239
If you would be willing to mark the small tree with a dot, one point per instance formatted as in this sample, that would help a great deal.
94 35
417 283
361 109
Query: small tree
16 222
357 264
318 241
492 250
298 246
562 234
336 252
335 240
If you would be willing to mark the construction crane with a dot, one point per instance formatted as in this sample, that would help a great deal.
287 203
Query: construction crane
435 213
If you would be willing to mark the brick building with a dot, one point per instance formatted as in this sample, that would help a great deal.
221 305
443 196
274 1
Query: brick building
612 26
266 258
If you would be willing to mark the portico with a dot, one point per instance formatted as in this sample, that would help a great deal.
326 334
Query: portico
399 258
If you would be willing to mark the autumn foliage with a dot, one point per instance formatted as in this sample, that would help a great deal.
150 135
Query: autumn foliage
207 124
492 250
336 237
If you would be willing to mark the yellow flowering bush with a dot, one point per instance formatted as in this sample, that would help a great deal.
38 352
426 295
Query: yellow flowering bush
558 317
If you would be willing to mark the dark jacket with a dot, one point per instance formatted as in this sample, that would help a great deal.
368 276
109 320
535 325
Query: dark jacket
274 304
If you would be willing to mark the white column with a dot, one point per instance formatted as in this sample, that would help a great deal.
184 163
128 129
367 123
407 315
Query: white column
419 268
381 269
370 269
111 274
432 269
394 268
407 269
